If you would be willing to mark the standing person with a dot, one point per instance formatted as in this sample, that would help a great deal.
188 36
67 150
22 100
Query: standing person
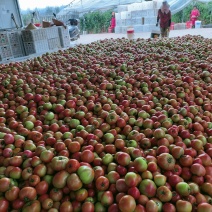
113 22
194 15
164 16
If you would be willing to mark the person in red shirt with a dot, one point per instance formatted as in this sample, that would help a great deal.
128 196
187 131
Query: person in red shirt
113 22
164 16
194 15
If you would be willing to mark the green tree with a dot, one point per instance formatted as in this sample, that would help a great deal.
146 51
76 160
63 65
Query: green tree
184 15
95 22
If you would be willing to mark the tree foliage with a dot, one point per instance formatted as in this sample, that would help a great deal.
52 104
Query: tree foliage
95 22
205 13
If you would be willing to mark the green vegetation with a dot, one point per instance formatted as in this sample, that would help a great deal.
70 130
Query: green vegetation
205 13
95 22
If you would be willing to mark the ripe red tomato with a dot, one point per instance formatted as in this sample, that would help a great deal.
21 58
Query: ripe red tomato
5 184
102 183
87 207
47 204
42 187
27 194
66 207
127 203
32 206
56 194
34 180
166 161
4 204
12 193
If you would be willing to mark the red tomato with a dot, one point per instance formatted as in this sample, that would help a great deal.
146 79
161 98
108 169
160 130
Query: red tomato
127 203
27 193
4 204
47 204
17 204
66 207
87 207
12 193
56 194
32 206
4 184
42 187
34 180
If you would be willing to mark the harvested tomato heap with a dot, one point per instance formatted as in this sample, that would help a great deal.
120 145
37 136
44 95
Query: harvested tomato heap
115 125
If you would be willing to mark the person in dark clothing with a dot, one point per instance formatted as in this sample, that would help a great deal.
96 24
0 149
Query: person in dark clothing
164 16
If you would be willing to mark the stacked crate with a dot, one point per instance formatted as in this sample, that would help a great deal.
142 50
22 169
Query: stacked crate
142 16
35 41
5 50
16 44
64 37
53 38
122 8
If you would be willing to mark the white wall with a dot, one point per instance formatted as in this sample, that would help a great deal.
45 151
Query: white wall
7 7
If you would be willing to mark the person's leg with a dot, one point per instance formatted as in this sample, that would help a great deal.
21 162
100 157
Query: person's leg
162 31
166 32
193 23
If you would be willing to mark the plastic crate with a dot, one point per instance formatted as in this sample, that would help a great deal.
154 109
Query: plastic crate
151 12
124 29
128 22
5 53
144 13
136 21
14 37
122 8
64 37
148 5
152 27
4 41
54 43
63 32
65 41
139 6
136 14
52 32
123 22
118 29
150 20
138 28
155 34
118 22
118 15
34 35
40 46
17 50
124 15
128 15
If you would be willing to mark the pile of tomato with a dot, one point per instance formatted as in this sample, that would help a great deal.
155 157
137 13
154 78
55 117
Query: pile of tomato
115 125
